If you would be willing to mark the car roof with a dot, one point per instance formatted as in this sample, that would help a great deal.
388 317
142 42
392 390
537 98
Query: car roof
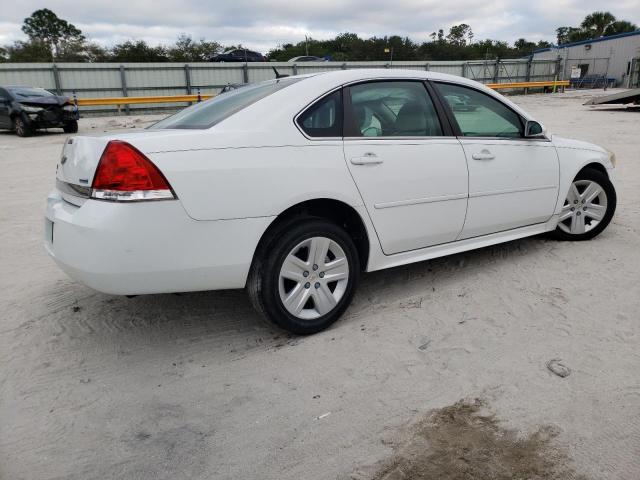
303 56
297 96
357 74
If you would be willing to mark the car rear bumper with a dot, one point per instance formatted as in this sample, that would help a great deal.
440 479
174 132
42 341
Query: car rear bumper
148 247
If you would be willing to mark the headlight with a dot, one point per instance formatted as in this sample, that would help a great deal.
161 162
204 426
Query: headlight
28 109
612 158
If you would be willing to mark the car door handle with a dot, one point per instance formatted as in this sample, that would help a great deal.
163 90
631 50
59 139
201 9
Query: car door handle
367 159
483 155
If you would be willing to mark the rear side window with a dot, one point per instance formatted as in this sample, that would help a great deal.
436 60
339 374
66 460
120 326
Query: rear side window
478 114
323 118
207 114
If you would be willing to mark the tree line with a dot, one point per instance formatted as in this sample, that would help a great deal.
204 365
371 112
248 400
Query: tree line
53 39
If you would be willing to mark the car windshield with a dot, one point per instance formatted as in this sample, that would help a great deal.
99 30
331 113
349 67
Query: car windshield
28 92
207 114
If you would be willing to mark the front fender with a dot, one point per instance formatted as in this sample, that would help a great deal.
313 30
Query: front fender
572 161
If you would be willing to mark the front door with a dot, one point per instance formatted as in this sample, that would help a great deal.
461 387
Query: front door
5 121
412 178
513 181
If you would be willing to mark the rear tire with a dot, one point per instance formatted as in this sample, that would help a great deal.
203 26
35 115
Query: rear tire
298 290
21 127
71 127
588 208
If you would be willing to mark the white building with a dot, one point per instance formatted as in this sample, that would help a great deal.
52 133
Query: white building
616 57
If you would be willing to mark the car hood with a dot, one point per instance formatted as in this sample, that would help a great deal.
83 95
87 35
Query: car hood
45 101
562 142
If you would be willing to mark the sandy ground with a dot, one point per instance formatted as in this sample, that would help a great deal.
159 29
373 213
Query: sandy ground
195 386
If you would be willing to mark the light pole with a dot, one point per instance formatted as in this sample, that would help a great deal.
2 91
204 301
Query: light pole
390 51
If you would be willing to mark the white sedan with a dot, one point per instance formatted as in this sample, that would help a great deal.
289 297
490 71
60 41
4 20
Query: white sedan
293 187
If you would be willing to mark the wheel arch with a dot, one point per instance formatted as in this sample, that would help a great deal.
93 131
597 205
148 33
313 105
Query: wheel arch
599 167
330 209
575 161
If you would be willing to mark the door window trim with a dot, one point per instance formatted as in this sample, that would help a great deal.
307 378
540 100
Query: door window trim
456 127
349 121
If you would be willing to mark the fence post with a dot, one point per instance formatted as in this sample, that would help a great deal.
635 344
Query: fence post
344 66
245 72
527 77
464 70
123 85
56 79
426 66
295 68
558 63
496 71
557 75
187 78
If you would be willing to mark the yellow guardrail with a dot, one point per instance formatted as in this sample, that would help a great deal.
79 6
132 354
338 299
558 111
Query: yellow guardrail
551 83
119 101
82 102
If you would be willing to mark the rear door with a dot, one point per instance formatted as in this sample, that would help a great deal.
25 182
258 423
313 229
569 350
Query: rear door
513 181
409 169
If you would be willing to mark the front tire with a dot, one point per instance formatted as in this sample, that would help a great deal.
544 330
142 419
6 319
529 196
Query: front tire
588 208
305 275
21 127
71 127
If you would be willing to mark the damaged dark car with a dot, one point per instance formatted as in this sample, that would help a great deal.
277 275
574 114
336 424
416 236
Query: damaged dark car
27 109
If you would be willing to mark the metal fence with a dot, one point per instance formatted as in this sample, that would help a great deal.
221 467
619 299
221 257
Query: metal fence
138 79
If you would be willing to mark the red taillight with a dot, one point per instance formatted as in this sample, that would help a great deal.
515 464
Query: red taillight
124 173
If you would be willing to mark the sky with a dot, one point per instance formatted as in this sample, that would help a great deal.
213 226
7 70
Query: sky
264 24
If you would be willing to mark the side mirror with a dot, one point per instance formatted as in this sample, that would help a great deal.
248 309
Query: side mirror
533 129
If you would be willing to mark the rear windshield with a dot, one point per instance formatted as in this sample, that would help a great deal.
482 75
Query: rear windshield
207 114
25 92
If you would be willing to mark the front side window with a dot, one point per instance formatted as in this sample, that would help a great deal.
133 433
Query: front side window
478 114
209 113
392 109
323 118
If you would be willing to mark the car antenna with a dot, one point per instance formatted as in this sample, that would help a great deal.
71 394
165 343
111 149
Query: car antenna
279 75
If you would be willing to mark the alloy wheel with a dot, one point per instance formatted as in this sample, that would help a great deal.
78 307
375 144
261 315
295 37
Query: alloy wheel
313 278
19 126
584 208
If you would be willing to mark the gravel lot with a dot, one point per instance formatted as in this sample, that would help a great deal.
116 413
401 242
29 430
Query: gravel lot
195 386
